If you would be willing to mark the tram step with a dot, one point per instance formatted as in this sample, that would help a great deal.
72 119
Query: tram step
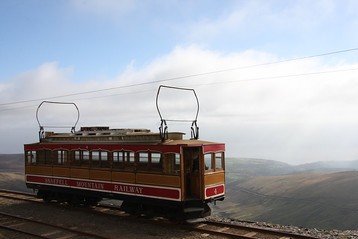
193 209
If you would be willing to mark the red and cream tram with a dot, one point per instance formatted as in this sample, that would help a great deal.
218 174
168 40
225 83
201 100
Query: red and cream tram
146 170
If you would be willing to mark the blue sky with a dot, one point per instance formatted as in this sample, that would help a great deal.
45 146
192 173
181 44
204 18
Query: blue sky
52 48
99 38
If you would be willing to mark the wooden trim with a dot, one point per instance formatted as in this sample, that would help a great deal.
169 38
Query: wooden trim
61 171
38 170
214 178
158 179
127 177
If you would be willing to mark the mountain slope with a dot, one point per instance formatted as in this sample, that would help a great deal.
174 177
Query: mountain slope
12 163
310 200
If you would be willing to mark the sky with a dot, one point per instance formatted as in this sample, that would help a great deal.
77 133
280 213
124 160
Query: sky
275 79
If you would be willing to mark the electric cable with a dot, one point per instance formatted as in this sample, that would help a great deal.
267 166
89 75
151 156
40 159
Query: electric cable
189 76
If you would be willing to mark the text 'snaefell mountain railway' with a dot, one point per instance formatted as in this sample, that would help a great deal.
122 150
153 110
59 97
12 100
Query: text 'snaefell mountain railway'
151 172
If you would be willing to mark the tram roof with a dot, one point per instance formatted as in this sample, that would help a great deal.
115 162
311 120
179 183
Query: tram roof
93 137
105 134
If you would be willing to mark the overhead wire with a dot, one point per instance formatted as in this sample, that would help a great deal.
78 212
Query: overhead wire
196 75
277 77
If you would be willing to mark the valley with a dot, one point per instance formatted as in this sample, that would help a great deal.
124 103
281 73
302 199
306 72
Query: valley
319 195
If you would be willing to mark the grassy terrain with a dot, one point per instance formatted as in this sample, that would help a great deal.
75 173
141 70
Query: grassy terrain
266 190
322 200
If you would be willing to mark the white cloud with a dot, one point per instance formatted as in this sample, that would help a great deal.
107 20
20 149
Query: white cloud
42 81
255 110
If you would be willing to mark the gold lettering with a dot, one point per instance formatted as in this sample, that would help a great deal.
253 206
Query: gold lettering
56 181
128 189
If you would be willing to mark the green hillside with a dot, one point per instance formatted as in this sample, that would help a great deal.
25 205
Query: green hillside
328 201
266 190
247 168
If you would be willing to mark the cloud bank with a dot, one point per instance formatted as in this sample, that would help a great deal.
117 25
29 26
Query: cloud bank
293 111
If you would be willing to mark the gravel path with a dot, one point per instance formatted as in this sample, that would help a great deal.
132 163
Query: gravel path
108 226
319 233
117 227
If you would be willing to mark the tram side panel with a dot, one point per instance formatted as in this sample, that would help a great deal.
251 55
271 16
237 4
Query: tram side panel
214 175
160 178
113 181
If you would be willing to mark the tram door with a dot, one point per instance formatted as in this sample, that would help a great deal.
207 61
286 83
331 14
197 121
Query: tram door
192 172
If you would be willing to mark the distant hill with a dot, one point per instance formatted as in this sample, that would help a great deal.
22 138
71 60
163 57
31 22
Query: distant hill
12 172
266 190
247 168
13 181
321 194
327 201
12 163
329 166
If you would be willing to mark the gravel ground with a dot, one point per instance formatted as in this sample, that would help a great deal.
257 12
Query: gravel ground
117 227
319 233
108 226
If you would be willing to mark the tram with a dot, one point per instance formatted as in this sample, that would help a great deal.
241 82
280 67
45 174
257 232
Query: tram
149 171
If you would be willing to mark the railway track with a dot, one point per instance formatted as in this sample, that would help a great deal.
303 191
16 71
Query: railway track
225 230
39 229
33 228
244 232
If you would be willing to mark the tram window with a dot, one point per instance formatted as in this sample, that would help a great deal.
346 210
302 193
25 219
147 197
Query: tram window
104 160
143 158
77 158
129 160
81 158
219 161
118 159
177 162
33 158
131 157
30 157
143 161
61 157
208 160
96 157
156 159
85 155
65 157
171 163
85 158
99 159
156 162
70 156
44 157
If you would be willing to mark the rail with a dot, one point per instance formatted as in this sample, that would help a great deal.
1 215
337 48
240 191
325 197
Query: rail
244 232
209 227
31 226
